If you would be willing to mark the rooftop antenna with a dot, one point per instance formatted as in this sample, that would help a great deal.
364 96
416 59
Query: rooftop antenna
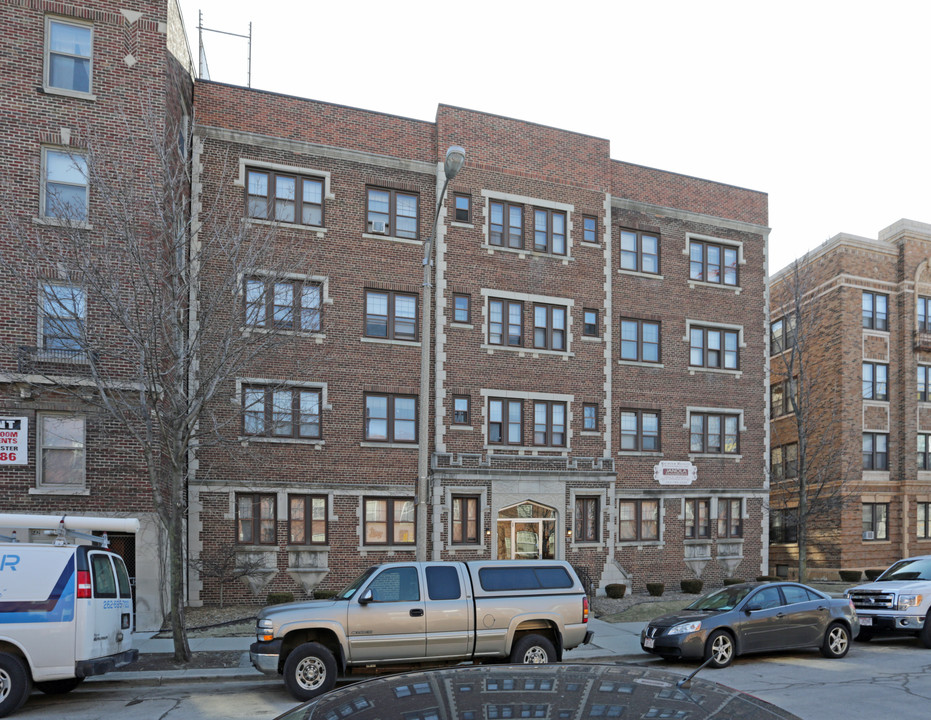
204 71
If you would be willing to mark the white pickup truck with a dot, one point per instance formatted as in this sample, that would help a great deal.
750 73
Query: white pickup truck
425 614
898 601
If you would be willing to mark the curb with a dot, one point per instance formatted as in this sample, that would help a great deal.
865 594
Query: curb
167 677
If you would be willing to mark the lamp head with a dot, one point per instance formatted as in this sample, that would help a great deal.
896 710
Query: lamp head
455 159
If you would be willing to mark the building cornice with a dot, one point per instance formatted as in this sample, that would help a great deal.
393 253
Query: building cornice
688 216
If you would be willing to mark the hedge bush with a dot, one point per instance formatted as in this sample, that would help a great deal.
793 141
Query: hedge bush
324 594
734 581
692 585
276 598
873 573
655 589
850 575
766 578
615 590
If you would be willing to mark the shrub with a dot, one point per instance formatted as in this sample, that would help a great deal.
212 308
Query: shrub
692 585
734 581
873 573
276 598
324 594
655 589
615 590
766 578
850 575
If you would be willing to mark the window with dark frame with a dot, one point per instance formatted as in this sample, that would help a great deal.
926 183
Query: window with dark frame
713 348
388 521
590 416
63 319
640 251
307 520
390 418
640 430
589 229
923 312
506 225
783 526
924 451
289 304
875 451
875 311
256 519
463 207
640 341
777 400
924 521
505 323
784 462
730 518
284 197
714 434
875 521
462 412
549 231
776 464
875 381
549 423
390 315
69 59
924 383
462 310
392 212
713 263
586 519
590 324
465 520
697 518
62 450
291 412
776 336
638 520
505 422
65 185
549 327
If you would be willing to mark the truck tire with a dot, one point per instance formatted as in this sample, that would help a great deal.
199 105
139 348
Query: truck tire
310 670
836 641
533 650
15 683
58 687
925 633
720 649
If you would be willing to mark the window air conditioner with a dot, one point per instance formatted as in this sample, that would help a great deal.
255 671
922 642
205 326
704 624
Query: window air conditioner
378 227
869 535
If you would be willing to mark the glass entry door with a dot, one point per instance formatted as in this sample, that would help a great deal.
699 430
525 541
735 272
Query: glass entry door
527 532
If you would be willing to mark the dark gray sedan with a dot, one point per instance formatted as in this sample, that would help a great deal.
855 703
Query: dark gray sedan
752 618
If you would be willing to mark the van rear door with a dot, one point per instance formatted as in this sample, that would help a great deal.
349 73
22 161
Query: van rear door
107 616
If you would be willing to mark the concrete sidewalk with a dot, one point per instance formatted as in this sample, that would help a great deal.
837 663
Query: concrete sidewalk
613 642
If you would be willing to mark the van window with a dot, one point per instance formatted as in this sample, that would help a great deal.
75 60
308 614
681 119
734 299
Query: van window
122 578
524 578
102 573
443 583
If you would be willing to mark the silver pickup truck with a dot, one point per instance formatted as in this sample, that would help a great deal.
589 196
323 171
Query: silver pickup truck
425 613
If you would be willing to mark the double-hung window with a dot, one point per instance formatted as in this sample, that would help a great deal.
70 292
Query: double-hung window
697 519
505 422
640 341
549 423
549 327
392 212
256 519
924 314
638 520
69 59
875 521
65 186
281 412
287 305
590 416
712 263
462 414
586 519
924 383
590 324
284 198
589 229
924 451
62 450
390 418
712 348
462 308
391 315
783 526
389 521
463 207
640 251
640 430
465 519
875 311
63 320
549 231
712 433
505 322
730 518
307 520
875 381
924 521
875 451
506 225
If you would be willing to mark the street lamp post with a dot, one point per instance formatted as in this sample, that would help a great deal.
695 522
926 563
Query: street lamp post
455 159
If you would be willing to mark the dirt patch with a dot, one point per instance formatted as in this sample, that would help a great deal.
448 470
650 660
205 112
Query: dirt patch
155 662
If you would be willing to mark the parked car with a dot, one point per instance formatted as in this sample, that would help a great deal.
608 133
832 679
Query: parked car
753 618
897 602
554 692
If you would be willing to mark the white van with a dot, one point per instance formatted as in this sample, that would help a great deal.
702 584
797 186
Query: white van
66 610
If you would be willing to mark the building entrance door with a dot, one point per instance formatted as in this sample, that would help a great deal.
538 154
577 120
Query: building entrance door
527 532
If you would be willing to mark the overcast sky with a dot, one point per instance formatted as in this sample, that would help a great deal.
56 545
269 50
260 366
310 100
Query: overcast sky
823 105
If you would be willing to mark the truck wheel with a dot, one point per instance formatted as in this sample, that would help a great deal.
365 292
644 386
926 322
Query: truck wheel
720 649
15 683
533 650
59 687
925 633
310 670
836 641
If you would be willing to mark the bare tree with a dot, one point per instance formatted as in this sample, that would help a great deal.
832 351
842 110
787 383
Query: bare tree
815 484
168 286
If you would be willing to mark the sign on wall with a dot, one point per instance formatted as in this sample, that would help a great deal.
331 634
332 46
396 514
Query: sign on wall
14 437
675 472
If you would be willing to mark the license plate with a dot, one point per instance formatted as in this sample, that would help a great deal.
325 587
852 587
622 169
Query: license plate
647 642
866 621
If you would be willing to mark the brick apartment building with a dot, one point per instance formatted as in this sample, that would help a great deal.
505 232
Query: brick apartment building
867 303
598 355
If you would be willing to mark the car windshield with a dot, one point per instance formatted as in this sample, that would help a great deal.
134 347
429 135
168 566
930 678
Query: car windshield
350 589
725 599
919 569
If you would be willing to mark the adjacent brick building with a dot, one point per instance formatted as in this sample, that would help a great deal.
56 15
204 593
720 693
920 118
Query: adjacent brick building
866 314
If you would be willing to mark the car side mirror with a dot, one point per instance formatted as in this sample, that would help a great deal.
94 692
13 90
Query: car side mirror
753 606
366 597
